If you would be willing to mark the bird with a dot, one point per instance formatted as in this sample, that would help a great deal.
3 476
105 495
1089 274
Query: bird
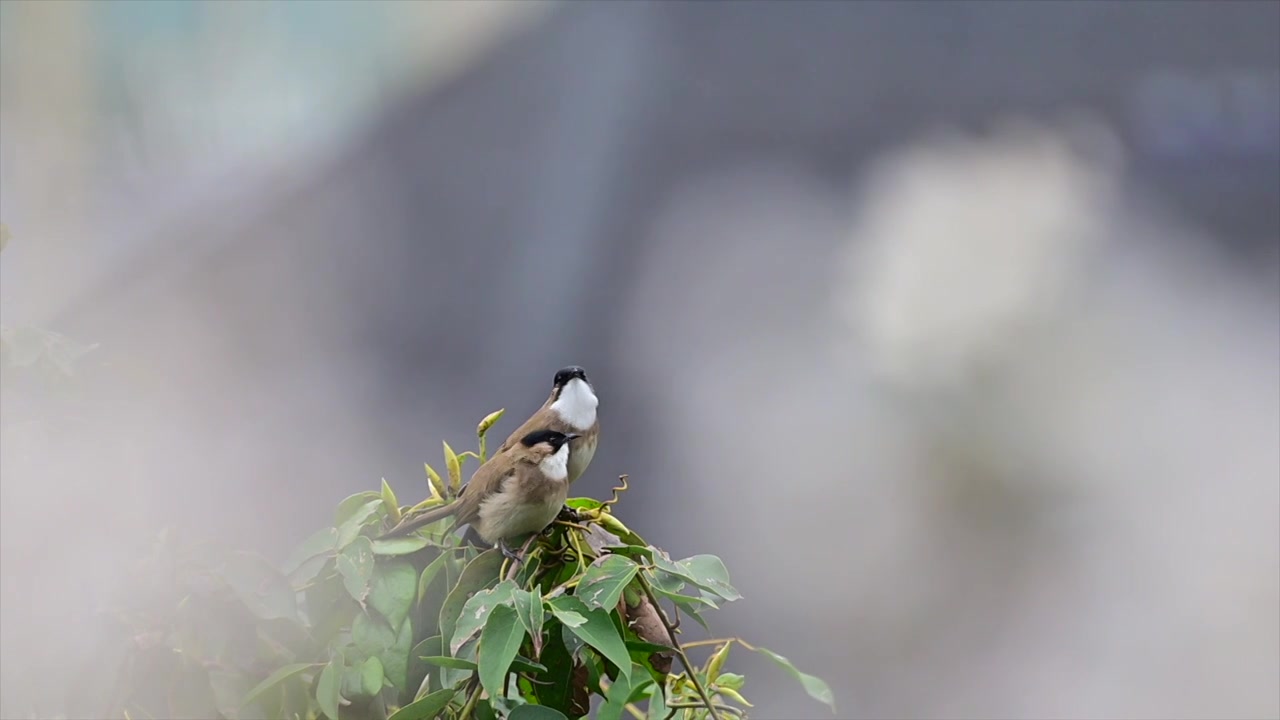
571 408
519 490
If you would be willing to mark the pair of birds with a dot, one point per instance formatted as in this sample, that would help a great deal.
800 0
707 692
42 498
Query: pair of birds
523 487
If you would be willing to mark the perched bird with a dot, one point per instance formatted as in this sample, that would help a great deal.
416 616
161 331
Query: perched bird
519 490
571 408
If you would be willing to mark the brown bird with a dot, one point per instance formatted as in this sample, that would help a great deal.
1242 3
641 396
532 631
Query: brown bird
571 408
519 490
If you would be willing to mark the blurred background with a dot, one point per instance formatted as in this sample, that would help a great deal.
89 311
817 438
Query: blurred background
954 328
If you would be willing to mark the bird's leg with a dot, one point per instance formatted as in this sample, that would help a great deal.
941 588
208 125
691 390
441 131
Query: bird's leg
507 552
523 553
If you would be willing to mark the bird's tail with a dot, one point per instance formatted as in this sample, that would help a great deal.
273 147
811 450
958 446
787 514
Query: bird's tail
417 521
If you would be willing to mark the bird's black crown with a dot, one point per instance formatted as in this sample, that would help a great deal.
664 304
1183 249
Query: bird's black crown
552 437
569 373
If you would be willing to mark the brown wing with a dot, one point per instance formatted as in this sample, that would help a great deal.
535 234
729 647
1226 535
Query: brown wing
488 479
535 422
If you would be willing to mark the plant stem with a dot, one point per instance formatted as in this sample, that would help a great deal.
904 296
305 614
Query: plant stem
471 703
721 641
684 658
690 706
709 641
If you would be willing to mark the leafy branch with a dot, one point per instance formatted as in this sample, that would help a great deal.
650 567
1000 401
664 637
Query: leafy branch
427 626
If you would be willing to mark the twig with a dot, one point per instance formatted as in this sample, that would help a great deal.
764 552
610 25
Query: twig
568 523
720 641
515 567
736 712
471 703
684 658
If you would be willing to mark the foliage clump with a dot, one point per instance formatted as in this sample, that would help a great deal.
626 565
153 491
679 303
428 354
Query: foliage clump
428 626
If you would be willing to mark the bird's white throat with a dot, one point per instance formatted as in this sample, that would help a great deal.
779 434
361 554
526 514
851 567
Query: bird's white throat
556 466
577 404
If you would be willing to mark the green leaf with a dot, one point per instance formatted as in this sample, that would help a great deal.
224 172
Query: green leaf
709 572
697 618
615 527
395 659
601 585
389 502
329 605
657 703
355 563
705 571
402 545
371 676
520 664
532 615
499 644
558 690
525 665
275 679
353 504
568 618
227 689
616 700
428 574
263 589
350 529
535 712
687 603
476 612
426 708
475 576
598 631
449 662
393 590
584 503
733 695
489 421
632 551
731 681
648 648
327 689
371 635
437 484
816 687
454 467
310 569
428 647
716 662
319 543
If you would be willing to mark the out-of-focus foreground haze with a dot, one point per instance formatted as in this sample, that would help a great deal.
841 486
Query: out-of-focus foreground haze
954 325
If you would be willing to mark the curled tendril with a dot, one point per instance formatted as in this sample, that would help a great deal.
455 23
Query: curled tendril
617 492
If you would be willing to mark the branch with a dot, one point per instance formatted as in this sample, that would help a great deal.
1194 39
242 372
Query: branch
684 659
471 703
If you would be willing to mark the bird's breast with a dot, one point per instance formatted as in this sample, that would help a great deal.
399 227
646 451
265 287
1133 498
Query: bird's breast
519 508
581 451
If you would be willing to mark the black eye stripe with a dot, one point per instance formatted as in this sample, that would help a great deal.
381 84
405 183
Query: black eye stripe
550 437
